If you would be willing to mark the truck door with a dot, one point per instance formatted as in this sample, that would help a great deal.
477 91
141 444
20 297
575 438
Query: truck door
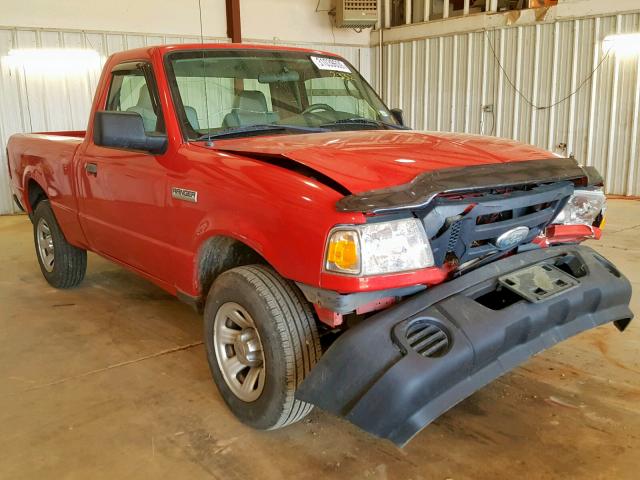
122 193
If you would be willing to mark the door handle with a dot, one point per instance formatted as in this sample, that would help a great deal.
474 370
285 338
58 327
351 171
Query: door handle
91 169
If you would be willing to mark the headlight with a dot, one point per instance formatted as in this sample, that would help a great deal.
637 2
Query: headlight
377 248
583 207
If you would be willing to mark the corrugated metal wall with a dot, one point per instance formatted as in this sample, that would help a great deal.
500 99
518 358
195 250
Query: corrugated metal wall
31 102
442 83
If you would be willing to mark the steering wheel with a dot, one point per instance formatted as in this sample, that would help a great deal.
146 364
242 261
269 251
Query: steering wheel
318 106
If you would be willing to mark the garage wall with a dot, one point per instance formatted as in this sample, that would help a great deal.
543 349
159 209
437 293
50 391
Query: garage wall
161 16
32 102
295 20
443 82
282 20
36 102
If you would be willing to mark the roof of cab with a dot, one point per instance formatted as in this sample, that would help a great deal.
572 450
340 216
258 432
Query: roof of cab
162 49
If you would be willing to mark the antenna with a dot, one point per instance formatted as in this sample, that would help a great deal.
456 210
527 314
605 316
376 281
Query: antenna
204 77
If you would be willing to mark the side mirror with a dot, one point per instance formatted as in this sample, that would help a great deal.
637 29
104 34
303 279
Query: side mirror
397 114
126 130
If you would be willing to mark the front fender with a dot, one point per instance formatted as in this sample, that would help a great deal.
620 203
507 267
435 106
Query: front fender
281 214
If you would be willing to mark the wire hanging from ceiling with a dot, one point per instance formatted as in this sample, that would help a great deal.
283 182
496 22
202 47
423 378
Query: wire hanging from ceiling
204 73
524 97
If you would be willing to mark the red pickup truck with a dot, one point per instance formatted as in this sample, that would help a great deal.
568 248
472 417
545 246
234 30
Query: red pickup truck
340 258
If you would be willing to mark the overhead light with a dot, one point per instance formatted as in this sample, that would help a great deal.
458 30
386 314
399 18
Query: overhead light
54 61
623 45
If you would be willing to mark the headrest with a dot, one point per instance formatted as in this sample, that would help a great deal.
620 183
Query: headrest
144 99
252 101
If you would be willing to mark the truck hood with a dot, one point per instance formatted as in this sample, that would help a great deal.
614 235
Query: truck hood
368 160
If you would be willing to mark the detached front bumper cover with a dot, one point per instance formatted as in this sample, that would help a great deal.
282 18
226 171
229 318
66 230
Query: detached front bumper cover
399 370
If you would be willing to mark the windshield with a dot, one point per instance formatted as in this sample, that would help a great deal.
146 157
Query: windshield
219 92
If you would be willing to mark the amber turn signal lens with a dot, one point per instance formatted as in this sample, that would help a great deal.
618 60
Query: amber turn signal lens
343 252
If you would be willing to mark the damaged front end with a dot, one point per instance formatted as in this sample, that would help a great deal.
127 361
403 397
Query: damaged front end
396 372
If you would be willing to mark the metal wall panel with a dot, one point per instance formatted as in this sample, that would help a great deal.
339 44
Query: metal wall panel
32 102
444 82
39 102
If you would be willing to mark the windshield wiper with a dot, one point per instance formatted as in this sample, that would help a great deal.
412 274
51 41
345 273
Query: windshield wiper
262 128
365 122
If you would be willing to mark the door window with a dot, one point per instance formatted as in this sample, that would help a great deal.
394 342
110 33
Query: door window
130 91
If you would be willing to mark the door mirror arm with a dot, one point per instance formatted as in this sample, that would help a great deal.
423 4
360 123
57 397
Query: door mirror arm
397 115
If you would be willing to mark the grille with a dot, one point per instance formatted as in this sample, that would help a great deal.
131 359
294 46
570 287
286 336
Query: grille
361 5
465 227
356 13
428 339
454 236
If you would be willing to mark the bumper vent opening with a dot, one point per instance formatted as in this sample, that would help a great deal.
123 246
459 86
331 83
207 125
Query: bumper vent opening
428 339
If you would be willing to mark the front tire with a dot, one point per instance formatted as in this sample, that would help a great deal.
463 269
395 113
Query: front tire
261 341
62 264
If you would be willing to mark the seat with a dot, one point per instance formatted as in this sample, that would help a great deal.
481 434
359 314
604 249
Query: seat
149 117
145 109
192 117
249 108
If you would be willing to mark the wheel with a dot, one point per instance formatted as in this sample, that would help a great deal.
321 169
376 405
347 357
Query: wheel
62 264
261 341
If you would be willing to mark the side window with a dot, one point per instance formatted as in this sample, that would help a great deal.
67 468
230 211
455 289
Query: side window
130 92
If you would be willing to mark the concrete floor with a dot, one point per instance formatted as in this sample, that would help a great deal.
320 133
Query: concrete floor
110 381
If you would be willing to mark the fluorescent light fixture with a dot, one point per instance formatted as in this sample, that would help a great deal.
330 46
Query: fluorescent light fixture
623 45
53 61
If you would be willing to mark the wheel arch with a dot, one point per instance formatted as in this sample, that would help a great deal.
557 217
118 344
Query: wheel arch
220 253
34 194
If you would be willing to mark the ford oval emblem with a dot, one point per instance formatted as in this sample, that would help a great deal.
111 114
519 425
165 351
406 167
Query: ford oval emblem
512 237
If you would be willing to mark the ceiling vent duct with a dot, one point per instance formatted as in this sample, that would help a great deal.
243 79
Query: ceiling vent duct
356 13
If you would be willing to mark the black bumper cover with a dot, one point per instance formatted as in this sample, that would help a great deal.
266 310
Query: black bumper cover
375 379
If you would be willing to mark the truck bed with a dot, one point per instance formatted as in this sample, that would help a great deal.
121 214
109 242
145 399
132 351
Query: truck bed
47 158
75 134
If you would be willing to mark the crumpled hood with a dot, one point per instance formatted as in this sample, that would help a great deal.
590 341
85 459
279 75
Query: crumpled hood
370 160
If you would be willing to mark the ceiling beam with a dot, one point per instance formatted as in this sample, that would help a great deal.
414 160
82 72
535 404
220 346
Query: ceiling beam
566 10
233 21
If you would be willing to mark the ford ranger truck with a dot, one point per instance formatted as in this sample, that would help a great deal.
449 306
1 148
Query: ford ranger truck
340 259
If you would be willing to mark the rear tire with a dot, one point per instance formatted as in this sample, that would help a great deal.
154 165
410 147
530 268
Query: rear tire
62 264
275 331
